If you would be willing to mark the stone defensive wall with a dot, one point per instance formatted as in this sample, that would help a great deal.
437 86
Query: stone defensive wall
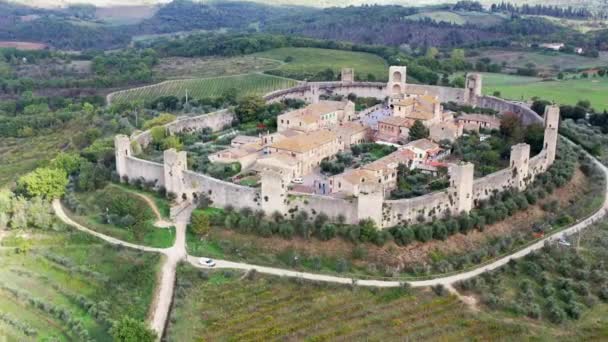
216 121
461 196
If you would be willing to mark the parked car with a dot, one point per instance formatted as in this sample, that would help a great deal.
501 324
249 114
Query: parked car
297 181
563 242
206 262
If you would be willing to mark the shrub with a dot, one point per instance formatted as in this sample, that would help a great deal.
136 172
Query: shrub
44 182
327 231
200 223
439 289
424 233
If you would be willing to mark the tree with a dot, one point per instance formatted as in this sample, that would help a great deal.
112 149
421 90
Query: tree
249 108
69 162
131 330
539 106
44 182
458 82
432 52
200 223
158 134
511 127
418 131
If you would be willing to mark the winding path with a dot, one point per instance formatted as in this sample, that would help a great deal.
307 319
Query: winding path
164 294
161 304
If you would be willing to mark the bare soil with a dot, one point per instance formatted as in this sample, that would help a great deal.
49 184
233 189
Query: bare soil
23 45
399 257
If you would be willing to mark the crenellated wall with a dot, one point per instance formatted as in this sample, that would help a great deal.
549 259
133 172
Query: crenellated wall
216 121
331 206
150 171
460 196
222 193
427 207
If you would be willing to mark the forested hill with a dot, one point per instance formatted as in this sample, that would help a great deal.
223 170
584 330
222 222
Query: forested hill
76 28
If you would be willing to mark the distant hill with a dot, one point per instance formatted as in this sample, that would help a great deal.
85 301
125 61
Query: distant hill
311 3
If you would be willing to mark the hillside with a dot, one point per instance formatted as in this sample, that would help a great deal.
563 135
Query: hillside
312 3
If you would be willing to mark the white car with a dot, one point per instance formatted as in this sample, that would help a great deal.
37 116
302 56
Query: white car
206 262
297 181
563 242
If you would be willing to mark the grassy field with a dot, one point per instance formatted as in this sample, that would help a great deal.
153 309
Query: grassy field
70 275
549 61
205 87
460 18
150 236
179 67
561 92
21 155
260 308
309 61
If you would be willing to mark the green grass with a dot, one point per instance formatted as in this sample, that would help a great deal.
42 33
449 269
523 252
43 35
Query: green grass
561 92
269 308
177 67
543 60
91 218
59 268
19 156
163 204
309 61
460 18
251 84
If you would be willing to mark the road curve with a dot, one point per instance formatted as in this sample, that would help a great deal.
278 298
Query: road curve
446 280
161 303
58 208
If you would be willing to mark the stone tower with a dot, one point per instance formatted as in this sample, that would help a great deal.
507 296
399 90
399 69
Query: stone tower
347 75
122 150
461 187
520 158
313 94
175 163
473 88
369 203
397 79
551 133
274 191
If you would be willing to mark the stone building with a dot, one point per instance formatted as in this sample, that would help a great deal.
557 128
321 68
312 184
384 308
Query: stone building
316 116
475 122
447 130
304 151
394 129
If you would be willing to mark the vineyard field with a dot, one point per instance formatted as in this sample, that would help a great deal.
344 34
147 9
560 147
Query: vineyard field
249 84
261 308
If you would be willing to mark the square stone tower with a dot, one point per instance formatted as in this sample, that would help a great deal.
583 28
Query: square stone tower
274 191
551 133
122 150
175 163
473 88
520 158
312 95
347 75
397 80
461 187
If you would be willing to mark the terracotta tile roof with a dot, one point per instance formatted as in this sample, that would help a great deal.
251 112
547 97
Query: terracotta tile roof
397 121
278 159
390 161
306 142
409 101
423 144
312 112
357 175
